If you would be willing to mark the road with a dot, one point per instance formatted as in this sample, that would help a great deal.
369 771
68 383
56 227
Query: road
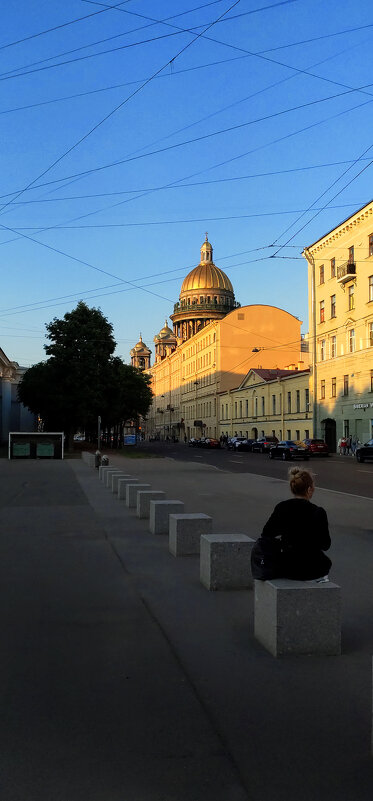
338 473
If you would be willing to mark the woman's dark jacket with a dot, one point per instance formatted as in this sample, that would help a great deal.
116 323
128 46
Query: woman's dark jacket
304 532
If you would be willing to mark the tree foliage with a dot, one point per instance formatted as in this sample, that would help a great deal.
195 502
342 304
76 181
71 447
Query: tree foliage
82 379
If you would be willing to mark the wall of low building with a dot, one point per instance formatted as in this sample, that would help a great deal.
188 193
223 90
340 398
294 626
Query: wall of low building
277 408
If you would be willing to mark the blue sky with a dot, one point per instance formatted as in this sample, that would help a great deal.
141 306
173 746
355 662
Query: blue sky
258 94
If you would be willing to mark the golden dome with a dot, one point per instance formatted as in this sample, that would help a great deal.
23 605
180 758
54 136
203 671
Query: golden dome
207 277
165 333
140 347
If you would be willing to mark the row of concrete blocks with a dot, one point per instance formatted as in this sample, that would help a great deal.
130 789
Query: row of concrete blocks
297 617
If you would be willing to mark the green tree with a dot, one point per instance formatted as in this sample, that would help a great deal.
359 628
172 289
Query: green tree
82 379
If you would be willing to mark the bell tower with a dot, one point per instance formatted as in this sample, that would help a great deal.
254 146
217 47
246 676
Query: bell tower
140 355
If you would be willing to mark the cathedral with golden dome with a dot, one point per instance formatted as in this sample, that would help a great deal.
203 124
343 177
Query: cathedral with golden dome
213 345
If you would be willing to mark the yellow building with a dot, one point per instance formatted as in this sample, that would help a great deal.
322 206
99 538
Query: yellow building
213 343
268 403
340 289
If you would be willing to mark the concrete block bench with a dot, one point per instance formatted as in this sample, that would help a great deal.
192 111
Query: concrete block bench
131 493
102 470
225 561
143 501
185 532
298 617
109 473
115 478
122 486
160 512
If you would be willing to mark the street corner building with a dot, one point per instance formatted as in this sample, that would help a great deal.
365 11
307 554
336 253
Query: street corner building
13 415
210 353
340 297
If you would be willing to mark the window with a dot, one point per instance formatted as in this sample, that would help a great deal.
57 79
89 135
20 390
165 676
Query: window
351 340
256 407
351 297
334 387
306 433
332 268
346 428
274 404
371 380
345 385
247 409
371 287
289 402
322 350
322 389
322 274
370 244
333 347
297 434
289 433
351 257
322 311
332 306
235 409
222 412
307 399
263 405
240 408
298 401
370 334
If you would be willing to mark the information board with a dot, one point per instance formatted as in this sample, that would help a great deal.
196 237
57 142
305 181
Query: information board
44 449
21 449
129 439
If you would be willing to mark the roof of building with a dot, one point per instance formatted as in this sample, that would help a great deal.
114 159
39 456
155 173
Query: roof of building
206 276
271 374
165 333
358 211
140 347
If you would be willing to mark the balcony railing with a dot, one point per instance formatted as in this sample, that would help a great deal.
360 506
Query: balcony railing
188 307
346 272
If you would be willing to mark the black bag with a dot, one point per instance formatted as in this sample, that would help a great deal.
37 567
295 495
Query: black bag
266 559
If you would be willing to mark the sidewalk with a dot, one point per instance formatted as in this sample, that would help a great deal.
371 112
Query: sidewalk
125 680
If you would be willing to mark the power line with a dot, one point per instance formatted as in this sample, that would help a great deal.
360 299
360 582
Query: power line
179 222
62 25
119 106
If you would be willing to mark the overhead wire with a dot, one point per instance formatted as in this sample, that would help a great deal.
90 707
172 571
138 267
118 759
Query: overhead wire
118 107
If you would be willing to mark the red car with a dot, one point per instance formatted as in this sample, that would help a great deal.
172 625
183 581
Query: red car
316 447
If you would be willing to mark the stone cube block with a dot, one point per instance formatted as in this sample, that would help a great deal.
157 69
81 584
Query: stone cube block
115 478
109 473
131 493
225 561
101 472
185 532
122 486
298 617
160 512
143 501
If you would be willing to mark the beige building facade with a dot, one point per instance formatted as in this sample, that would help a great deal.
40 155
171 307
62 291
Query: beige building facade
340 290
213 344
268 402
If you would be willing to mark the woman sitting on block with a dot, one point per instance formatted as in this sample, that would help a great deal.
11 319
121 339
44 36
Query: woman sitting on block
303 529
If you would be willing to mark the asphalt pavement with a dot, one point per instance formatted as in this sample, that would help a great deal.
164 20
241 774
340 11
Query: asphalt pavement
123 679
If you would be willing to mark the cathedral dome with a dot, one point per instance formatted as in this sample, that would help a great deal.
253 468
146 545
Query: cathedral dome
165 333
206 276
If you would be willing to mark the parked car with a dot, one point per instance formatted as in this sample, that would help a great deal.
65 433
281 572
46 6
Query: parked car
232 442
263 444
211 442
365 451
316 447
288 449
193 442
244 445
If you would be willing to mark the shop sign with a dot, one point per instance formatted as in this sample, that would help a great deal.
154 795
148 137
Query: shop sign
363 405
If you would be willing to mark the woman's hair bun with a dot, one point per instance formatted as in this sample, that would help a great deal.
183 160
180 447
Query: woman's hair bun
300 480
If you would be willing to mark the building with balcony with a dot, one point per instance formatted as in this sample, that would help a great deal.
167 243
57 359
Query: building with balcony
213 344
340 292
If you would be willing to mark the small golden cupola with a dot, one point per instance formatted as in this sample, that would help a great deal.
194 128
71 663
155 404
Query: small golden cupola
140 355
206 294
165 342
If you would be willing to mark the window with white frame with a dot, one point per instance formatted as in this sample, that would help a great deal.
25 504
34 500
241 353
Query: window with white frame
351 340
370 334
371 287
333 347
322 350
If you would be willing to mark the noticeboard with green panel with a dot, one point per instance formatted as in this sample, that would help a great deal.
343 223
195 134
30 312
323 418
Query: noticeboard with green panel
44 449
